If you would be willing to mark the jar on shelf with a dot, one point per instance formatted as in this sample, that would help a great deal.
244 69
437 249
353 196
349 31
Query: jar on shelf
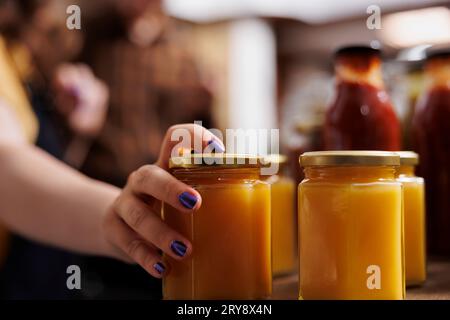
414 218
284 220
361 117
230 233
431 127
350 226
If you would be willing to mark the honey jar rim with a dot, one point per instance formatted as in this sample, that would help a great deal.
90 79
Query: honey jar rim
275 158
349 158
408 158
222 160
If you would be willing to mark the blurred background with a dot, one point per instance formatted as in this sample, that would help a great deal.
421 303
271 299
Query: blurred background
139 66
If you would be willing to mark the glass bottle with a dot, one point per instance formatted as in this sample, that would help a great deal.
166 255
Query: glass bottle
431 129
284 236
361 116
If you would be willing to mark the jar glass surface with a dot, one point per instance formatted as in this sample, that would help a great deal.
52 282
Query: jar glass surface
284 248
230 234
431 131
351 233
361 116
414 225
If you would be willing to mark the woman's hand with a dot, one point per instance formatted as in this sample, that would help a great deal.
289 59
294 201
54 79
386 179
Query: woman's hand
134 226
81 98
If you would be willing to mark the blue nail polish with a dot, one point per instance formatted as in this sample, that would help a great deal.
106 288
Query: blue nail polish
159 267
178 248
188 200
217 147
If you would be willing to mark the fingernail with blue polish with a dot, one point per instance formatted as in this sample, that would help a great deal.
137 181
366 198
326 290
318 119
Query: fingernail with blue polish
188 200
159 267
217 147
178 248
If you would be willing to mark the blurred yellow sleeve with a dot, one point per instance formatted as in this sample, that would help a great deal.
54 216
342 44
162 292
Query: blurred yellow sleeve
13 93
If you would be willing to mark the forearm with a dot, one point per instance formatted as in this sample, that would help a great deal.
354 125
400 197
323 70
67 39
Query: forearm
47 201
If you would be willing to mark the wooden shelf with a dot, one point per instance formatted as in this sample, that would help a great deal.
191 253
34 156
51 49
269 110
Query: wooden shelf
437 286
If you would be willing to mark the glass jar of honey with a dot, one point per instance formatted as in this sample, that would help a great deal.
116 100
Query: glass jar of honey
350 226
284 238
230 233
414 218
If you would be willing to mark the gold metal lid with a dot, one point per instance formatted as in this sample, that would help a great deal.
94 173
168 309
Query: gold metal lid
408 158
228 160
275 158
349 158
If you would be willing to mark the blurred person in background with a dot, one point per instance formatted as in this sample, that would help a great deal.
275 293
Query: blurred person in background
66 96
68 108
135 48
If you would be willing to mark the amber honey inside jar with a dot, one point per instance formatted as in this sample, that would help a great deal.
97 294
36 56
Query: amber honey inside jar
350 226
230 233
284 234
414 218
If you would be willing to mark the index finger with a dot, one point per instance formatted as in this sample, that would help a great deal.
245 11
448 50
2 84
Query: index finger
156 182
187 136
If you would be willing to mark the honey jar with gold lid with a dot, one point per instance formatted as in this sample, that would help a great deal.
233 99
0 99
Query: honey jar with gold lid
284 221
230 233
350 226
414 218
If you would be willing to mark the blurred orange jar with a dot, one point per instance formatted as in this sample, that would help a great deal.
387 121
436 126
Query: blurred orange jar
230 233
414 218
284 251
350 226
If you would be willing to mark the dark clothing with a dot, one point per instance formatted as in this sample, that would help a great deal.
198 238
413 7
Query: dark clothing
31 270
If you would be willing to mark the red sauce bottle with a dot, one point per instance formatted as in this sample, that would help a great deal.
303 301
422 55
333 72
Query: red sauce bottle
361 116
431 129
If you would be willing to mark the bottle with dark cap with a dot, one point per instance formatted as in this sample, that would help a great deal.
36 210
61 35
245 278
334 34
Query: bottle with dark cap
361 116
431 127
